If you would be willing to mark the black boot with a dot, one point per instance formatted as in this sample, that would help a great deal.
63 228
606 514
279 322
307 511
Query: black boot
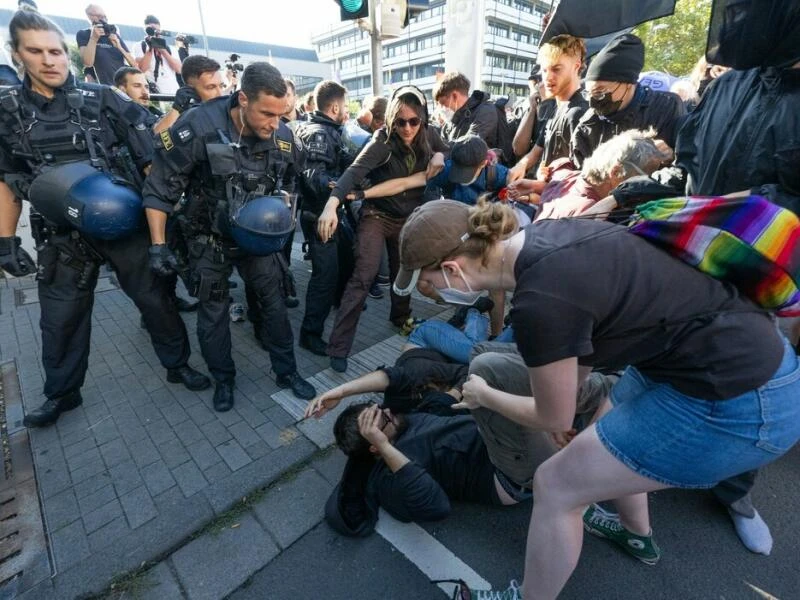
300 387
193 380
313 343
48 413
223 396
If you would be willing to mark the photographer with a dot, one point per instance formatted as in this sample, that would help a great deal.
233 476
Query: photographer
182 42
232 69
155 59
102 50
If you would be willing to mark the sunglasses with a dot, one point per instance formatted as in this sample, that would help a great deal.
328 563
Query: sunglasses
412 122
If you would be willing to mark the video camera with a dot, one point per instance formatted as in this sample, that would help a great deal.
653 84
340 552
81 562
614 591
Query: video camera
233 64
155 38
107 28
187 40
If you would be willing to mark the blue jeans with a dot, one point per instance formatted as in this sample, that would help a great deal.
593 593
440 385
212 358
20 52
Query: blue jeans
454 343
689 442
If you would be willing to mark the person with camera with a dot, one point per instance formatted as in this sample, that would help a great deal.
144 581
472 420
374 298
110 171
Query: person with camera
77 151
155 59
102 50
232 69
236 162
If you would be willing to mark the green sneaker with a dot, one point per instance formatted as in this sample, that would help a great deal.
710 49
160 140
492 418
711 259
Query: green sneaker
463 592
604 524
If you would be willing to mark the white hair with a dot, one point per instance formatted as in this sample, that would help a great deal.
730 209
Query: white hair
628 150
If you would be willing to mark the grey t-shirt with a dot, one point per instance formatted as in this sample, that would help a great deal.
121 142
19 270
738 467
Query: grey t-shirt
593 290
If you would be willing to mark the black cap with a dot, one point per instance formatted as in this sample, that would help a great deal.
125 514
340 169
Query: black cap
29 3
466 154
621 60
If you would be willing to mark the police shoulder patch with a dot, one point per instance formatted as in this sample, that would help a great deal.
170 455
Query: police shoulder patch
166 140
284 146
121 94
185 134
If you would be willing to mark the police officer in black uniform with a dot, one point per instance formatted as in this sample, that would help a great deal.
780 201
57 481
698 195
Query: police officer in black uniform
326 159
228 153
76 150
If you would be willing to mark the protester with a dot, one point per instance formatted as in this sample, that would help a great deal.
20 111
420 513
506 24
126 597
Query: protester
102 50
400 148
133 82
465 112
561 59
705 346
541 107
617 101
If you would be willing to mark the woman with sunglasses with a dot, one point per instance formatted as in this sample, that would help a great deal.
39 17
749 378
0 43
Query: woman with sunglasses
710 390
400 149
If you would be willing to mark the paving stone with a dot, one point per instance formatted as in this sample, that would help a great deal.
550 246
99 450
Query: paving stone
330 466
257 450
160 432
115 452
160 584
111 533
201 414
188 432
84 459
215 432
99 517
173 412
95 467
157 477
270 434
138 506
173 453
279 417
79 448
244 434
144 452
61 510
70 545
125 477
105 430
212 566
95 500
292 508
92 485
216 472
203 454
189 478
233 455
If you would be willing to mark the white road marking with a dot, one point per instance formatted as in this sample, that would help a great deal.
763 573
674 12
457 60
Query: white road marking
427 553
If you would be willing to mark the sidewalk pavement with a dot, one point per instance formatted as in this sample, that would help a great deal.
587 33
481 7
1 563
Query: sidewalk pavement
126 478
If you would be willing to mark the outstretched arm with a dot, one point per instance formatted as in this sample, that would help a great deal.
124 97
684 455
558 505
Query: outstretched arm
377 381
392 186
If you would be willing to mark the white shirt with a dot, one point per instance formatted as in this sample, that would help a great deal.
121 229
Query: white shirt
166 82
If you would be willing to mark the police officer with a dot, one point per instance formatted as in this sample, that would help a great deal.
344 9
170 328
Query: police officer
59 141
228 155
326 159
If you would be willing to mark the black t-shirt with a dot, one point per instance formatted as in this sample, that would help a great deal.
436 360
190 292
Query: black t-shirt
593 290
556 135
107 59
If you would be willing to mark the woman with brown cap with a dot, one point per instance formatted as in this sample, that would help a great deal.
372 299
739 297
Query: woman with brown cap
400 149
697 404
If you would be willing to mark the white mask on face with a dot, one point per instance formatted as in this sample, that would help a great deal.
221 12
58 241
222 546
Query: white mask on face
453 295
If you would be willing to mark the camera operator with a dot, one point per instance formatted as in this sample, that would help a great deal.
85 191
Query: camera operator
155 59
182 42
232 68
102 50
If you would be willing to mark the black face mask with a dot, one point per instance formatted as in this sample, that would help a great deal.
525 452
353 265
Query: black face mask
604 105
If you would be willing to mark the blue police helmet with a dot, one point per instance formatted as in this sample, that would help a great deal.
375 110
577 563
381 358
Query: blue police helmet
262 225
78 195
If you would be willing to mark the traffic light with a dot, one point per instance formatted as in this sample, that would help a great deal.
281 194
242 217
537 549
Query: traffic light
353 9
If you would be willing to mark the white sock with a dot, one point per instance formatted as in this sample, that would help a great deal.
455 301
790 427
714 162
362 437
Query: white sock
754 532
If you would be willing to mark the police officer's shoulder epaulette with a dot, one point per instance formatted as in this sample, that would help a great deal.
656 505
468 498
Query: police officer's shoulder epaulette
284 138
180 134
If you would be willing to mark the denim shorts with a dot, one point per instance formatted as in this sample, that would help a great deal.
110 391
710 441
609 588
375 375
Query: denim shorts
689 442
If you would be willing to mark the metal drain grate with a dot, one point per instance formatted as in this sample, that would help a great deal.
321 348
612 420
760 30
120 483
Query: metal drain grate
24 560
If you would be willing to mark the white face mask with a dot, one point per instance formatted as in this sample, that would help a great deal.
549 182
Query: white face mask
453 295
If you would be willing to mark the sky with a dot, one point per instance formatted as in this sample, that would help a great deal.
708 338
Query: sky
280 22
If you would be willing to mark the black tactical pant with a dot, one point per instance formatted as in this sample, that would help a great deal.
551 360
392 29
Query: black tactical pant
331 266
66 294
211 267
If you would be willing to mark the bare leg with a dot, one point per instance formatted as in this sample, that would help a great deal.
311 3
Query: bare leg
564 485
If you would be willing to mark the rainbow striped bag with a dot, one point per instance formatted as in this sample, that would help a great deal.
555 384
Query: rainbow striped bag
749 242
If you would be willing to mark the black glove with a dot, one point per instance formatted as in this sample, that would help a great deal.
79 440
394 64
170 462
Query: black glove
162 261
14 259
185 98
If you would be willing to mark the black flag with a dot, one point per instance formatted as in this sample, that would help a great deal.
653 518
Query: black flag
603 18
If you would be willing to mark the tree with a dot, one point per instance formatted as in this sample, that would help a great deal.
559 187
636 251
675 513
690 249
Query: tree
675 43
76 60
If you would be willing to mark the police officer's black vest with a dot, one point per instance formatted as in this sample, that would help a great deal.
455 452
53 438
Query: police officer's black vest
41 139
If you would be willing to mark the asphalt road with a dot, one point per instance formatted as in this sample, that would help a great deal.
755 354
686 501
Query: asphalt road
702 557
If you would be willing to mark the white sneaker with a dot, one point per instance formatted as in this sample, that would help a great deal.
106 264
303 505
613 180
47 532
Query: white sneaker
236 312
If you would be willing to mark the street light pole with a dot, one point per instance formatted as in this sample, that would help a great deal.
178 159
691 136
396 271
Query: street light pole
203 25
375 49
